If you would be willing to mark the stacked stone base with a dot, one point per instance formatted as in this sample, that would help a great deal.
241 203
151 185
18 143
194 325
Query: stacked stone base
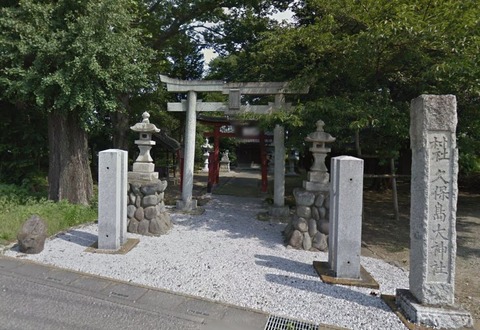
308 228
146 208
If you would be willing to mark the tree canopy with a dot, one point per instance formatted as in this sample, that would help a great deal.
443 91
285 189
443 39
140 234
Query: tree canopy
365 60
71 60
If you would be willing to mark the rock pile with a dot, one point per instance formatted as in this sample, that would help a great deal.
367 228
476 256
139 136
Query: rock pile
146 208
308 228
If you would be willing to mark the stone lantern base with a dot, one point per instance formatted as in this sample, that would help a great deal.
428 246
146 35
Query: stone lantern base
146 208
308 228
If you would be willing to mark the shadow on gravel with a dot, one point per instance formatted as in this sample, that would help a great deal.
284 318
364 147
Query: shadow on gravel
335 291
285 264
78 237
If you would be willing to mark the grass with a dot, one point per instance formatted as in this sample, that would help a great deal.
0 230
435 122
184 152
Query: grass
17 204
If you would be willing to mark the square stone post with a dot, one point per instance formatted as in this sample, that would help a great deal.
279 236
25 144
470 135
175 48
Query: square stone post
346 195
433 121
187 203
112 199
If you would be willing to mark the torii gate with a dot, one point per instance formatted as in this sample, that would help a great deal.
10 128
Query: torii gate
235 90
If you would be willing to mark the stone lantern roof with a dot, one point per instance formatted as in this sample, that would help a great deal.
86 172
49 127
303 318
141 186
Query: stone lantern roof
320 135
145 126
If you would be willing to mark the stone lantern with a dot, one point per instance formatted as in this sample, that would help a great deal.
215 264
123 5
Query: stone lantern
206 148
146 211
309 227
318 176
143 167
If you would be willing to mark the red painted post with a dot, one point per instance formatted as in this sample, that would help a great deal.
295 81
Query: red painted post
216 148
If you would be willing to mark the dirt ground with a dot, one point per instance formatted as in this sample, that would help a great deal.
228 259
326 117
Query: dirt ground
389 239
383 236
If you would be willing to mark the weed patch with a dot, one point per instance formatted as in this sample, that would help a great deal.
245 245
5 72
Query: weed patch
17 205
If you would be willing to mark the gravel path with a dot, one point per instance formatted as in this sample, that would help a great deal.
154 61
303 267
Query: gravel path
227 255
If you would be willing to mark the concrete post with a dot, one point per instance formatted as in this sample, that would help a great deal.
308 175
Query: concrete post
346 194
433 121
187 203
112 199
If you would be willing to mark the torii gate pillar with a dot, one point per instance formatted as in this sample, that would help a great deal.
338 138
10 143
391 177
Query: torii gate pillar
279 209
187 203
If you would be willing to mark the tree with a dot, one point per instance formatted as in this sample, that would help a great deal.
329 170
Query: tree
365 60
73 61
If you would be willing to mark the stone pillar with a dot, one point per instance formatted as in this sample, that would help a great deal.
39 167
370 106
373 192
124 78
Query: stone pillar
112 203
187 203
279 208
433 121
346 195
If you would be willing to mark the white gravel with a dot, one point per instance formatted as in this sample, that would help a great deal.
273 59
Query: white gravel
227 255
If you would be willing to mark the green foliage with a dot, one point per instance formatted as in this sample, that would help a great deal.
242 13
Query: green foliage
71 55
18 204
364 61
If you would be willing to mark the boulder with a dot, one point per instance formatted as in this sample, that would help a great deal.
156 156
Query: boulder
300 224
131 211
132 226
143 227
307 241
303 211
149 189
150 212
133 198
139 214
165 217
319 200
158 227
32 235
312 227
135 187
303 197
323 212
150 200
296 240
320 242
287 232
324 226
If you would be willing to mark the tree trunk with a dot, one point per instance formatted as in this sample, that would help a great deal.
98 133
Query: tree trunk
121 125
69 174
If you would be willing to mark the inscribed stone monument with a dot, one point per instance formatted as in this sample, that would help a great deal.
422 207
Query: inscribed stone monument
433 121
